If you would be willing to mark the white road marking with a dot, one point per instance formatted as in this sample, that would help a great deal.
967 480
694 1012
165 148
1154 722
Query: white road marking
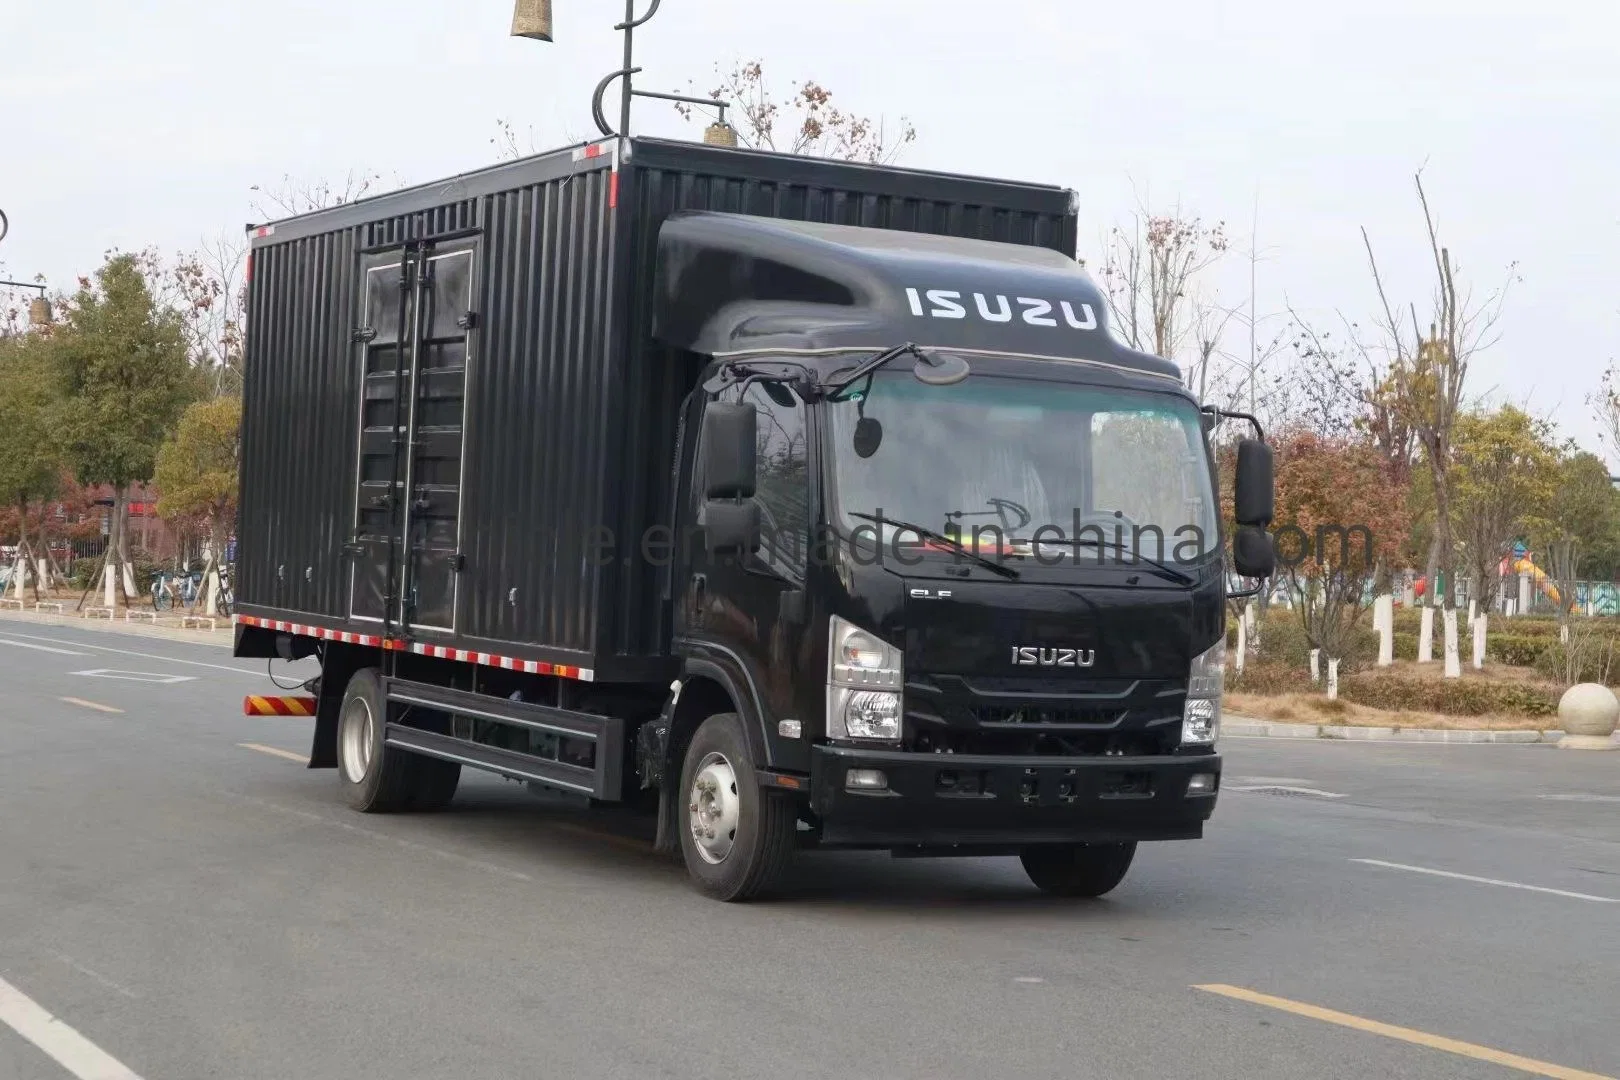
78 1055
1285 788
155 678
288 754
1266 781
1489 881
1581 796
146 656
40 648
1027 979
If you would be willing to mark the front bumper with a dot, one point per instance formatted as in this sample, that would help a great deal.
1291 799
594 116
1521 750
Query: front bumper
968 801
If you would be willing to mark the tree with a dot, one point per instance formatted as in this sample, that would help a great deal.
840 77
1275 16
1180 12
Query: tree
1506 468
196 475
804 122
210 292
1429 368
1605 404
1337 519
124 371
30 450
1584 513
1148 268
291 197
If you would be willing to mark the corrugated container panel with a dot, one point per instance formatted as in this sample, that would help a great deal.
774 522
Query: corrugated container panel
570 407
539 424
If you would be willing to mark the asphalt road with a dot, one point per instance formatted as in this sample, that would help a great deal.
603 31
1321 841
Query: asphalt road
186 906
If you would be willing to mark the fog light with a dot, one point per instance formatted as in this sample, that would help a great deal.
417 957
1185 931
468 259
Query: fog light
866 780
1201 784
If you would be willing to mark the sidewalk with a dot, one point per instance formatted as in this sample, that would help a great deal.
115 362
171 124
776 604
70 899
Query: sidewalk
1243 727
166 628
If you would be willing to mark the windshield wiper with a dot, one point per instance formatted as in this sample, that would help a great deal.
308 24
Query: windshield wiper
930 534
1170 572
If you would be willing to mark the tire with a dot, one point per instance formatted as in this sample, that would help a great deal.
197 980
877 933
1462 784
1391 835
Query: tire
376 778
718 788
432 782
1077 870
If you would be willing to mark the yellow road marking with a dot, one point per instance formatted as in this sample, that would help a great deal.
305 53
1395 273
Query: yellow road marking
1411 1035
83 704
274 752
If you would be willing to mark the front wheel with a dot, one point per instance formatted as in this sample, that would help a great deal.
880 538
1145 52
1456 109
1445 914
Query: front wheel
736 837
1078 870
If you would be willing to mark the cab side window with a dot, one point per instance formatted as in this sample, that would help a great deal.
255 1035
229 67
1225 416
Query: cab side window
783 490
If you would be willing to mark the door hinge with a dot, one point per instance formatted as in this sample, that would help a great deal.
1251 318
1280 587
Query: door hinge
468 321
458 562
363 334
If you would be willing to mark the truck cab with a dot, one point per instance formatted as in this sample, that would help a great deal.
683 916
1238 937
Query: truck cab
954 552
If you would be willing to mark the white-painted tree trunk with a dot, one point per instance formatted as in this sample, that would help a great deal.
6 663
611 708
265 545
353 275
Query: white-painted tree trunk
129 582
1333 679
1563 634
1473 610
1524 594
1479 641
1242 643
1254 626
19 573
109 583
1384 622
1316 666
1426 636
1453 660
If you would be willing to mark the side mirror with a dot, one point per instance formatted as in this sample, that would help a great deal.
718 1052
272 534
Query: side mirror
729 466
1252 553
731 528
1253 491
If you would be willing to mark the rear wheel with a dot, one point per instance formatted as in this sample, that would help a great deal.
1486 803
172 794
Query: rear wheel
736 837
376 778
1078 870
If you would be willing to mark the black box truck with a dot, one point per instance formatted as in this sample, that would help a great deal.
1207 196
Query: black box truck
803 503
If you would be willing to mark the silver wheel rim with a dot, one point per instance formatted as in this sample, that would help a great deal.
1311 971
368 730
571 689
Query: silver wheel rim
715 808
357 735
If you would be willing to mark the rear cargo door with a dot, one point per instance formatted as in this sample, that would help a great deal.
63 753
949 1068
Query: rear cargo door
384 341
414 351
438 426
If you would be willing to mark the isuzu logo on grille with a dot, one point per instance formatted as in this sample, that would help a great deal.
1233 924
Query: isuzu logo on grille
1035 656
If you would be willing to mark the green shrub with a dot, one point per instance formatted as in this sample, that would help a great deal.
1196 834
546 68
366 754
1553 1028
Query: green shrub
1515 650
1406 646
1283 640
1449 697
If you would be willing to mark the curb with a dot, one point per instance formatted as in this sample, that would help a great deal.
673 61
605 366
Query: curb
1267 729
221 638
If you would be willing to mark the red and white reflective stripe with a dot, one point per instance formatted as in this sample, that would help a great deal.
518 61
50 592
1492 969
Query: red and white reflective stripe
263 231
595 150
438 652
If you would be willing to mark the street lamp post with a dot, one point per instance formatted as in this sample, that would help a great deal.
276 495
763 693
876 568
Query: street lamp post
39 308
532 19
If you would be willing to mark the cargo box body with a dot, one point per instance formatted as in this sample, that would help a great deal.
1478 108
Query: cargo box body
519 358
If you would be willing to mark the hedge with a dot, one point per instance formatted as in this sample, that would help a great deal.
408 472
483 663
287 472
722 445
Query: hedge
1450 697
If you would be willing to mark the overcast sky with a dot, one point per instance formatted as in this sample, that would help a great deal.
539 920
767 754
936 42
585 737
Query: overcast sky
133 124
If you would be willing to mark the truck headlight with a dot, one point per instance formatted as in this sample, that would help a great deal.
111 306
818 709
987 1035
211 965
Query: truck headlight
1201 715
864 677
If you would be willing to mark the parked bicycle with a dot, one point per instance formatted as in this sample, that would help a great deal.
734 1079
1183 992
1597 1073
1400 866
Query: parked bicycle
171 590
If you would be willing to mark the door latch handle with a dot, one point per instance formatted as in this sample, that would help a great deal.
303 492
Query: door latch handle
700 593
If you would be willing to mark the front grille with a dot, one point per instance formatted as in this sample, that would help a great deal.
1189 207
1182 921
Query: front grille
1053 718
1043 718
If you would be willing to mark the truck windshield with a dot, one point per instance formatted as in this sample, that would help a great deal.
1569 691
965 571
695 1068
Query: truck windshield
1046 467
